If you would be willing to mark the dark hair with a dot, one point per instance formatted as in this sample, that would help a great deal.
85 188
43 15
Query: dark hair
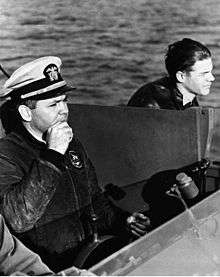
10 115
182 55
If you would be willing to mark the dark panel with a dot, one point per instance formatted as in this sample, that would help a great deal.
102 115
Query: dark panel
129 144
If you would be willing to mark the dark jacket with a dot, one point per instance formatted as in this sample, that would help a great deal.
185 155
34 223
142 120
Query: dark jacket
160 94
47 198
15 257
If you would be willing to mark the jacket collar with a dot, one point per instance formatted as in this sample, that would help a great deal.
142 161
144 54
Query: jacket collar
22 131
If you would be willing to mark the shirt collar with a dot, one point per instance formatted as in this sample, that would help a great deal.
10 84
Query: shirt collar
187 96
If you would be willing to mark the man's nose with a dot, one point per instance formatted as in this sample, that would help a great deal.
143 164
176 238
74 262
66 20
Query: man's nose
62 107
211 77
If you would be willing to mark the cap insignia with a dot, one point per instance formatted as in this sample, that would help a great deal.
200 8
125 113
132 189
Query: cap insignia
51 72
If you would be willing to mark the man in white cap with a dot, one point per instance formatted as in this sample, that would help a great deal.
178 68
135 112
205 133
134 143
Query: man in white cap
48 186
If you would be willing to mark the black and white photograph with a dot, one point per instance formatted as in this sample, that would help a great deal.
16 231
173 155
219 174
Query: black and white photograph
109 137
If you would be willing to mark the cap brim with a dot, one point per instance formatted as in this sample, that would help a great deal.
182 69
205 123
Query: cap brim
52 93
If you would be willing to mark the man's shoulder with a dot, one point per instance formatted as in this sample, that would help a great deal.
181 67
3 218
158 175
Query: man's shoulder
11 146
160 86
10 139
152 93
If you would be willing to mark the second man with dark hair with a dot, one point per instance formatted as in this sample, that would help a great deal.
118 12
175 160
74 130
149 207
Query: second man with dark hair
189 66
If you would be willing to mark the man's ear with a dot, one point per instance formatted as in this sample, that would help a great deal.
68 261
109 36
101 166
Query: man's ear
25 113
180 76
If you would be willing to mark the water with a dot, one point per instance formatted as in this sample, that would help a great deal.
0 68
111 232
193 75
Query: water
108 48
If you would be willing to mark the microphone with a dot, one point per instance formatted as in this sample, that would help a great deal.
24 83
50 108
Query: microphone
186 186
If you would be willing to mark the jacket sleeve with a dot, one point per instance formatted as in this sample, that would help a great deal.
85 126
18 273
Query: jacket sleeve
15 257
24 197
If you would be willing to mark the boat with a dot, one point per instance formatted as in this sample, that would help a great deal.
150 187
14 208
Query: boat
129 145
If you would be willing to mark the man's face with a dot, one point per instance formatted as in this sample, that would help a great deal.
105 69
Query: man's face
48 112
198 81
